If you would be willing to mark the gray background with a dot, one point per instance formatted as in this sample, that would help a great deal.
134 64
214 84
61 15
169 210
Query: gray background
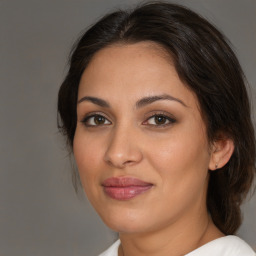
40 213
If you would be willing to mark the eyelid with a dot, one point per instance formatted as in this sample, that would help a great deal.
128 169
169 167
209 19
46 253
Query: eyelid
149 115
89 115
159 112
167 115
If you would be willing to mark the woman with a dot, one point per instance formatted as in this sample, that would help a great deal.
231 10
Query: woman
155 110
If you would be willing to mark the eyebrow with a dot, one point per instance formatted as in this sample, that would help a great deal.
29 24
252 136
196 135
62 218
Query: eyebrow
139 104
97 101
148 100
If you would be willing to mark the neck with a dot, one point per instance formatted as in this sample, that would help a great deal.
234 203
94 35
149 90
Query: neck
170 240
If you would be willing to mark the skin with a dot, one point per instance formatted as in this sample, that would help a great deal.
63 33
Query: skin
175 155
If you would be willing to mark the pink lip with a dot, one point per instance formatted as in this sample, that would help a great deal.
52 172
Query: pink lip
125 188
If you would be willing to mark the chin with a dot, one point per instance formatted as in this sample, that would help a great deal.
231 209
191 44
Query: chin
125 221
127 227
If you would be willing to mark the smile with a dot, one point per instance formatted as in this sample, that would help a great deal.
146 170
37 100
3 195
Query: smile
125 188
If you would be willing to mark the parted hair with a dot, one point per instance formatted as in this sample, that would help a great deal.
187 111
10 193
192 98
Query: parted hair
206 64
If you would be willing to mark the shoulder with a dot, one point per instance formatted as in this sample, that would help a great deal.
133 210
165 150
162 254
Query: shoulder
224 246
112 250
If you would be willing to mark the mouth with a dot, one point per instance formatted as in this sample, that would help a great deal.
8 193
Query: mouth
125 188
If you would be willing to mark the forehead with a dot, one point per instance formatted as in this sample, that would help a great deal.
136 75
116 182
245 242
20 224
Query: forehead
134 70
143 48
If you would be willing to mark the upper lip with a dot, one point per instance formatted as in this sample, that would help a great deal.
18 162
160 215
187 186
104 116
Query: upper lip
124 182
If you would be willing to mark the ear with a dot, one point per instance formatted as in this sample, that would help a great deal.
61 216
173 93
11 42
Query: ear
221 151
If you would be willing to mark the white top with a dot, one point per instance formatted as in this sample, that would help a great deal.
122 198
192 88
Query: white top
224 246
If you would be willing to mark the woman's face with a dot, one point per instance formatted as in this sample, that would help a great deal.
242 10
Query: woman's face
140 143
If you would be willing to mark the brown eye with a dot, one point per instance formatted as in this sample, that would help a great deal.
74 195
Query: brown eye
160 120
96 120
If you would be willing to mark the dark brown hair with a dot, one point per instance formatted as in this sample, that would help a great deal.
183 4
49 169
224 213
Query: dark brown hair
209 67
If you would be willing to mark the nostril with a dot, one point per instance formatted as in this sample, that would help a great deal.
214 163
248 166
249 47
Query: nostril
128 162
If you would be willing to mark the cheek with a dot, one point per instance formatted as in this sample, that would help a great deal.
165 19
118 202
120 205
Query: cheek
184 174
87 153
181 159
179 149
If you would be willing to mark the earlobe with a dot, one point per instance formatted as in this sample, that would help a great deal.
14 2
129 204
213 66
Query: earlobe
221 152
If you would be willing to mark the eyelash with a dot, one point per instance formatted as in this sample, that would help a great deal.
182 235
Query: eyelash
86 119
170 120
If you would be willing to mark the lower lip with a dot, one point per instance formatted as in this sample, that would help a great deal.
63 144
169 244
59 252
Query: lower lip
126 193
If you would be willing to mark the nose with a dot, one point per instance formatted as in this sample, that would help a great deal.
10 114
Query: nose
123 148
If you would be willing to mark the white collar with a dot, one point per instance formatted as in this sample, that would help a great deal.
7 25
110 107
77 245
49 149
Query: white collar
224 246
